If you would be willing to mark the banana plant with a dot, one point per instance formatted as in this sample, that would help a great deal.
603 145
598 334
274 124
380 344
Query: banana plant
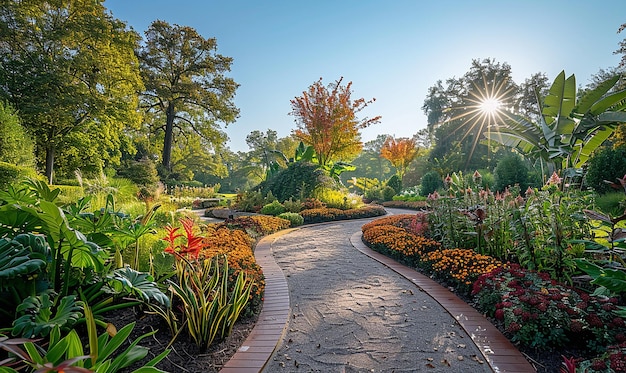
569 130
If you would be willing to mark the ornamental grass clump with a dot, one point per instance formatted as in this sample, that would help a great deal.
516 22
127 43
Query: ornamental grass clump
537 312
212 294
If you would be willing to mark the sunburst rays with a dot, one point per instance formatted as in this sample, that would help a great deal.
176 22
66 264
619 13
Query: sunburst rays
483 108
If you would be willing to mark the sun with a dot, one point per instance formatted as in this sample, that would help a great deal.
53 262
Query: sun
490 106
484 108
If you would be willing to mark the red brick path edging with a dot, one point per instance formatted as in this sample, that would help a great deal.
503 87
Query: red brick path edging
269 328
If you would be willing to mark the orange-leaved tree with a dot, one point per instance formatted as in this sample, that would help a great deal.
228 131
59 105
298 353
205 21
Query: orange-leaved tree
326 118
400 152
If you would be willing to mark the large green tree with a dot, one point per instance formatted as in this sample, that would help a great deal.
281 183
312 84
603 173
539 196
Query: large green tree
187 92
369 163
69 68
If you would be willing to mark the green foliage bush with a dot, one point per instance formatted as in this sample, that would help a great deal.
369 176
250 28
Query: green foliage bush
374 194
605 164
299 180
275 208
294 218
292 205
10 174
142 172
388 193
431 181
249 201
16 146
613 203
396 183
509 171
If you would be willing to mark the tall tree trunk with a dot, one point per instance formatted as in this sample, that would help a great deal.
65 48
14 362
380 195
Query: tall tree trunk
50 153
169 137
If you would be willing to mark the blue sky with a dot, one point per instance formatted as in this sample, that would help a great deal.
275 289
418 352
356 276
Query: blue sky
392 50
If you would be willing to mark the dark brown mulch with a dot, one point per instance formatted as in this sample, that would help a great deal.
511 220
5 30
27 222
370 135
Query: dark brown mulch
185 355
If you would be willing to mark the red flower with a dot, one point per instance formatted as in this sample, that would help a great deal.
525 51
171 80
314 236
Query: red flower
513 327
499 314
598 365
594 320
194 243
170 238
576 326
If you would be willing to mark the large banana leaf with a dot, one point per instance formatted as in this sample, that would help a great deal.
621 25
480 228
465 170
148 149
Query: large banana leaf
560 101
568 131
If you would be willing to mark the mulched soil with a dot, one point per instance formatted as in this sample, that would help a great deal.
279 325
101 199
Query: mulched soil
185 355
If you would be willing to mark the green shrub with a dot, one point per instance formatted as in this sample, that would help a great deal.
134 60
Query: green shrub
374 194
275 208
295 218
511 170
299 180
16 146
249 201
143 172
431 181
611 203
396 183
10 174
605 164
292 205
388 193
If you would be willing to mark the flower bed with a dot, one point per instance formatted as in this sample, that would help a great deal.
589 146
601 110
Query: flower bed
413 205
256 225
325 214
533 310
538 312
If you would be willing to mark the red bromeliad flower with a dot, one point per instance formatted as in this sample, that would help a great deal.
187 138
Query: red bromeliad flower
194 243
170 238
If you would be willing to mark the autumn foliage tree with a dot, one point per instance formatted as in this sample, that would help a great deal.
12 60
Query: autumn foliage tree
327 120
400 152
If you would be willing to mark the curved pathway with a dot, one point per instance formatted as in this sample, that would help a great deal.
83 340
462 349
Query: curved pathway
344 312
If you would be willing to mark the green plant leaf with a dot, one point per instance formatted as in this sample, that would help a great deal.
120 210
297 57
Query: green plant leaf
38 319
139 284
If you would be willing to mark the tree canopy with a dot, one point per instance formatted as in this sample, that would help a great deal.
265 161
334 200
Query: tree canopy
187 92
326 119
69 68
400 152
